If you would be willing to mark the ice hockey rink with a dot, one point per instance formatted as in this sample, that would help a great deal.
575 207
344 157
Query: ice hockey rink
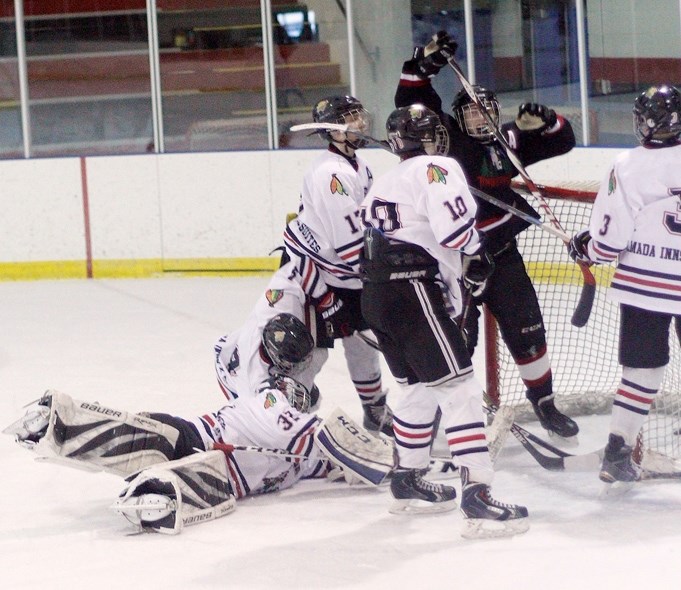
146 344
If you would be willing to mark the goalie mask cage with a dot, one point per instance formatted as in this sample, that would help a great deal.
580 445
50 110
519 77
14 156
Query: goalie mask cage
586 373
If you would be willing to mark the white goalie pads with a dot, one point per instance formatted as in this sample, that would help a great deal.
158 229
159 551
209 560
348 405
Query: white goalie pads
97 438
166 498
354 450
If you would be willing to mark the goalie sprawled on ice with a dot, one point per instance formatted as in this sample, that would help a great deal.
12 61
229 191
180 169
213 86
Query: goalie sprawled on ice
181 472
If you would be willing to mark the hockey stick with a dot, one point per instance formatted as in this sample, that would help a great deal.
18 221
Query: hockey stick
517 212
314 127
229 449
581 314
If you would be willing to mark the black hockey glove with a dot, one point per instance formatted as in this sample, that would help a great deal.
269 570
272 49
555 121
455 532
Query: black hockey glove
578 248
436 53
328 305
535 117
477 268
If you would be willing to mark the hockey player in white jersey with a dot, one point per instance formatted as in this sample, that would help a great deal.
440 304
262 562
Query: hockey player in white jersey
636 221
324 242
186 471
247 356
421 220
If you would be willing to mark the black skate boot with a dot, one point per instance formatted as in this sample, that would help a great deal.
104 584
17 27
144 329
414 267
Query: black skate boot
415 495
378 417
618 464
485 517
552 419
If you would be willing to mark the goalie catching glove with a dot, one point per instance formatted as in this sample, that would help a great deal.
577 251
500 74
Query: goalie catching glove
477 268
535 117
436 54
578 247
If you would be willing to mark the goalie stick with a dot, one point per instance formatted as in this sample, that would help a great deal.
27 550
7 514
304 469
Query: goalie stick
581 314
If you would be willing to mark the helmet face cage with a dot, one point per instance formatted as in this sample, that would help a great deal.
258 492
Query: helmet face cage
416 129
343 110
657 116
296 393
288 344
471 120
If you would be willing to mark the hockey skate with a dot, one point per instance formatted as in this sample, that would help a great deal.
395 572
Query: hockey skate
485 517
415 495
32 426
618 464
151 507
378 417
552 419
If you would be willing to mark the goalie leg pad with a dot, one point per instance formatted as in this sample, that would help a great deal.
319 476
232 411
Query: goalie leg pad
103 438
350 447
165 498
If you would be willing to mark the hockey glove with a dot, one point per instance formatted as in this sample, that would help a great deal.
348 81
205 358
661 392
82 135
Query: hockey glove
578 247
535 117
435 55
328 305
477 268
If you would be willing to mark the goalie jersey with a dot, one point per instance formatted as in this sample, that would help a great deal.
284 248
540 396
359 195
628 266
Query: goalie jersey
326 238
636 220
267 420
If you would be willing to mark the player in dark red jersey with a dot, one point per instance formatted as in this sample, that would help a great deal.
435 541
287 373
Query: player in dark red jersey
538 133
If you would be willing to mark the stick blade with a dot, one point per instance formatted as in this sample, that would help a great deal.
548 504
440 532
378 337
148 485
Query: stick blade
580 317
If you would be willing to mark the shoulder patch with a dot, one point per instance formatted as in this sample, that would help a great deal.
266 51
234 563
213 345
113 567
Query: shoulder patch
270 400
436 173
337 186
273 295
612 182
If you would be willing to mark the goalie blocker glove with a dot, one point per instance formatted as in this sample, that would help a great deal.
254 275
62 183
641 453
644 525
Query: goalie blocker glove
436 54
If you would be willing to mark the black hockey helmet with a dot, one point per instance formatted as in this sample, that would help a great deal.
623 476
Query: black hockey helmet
287 343
343 110
296 393
657 116
469 118
415 130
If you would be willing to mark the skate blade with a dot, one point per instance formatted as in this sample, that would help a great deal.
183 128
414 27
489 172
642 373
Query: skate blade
563 441
409 507
484 528
616 489
148 507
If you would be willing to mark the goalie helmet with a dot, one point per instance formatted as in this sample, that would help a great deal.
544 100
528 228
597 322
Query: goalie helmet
416 130
657 116
467 114
343 110
296 393
287 343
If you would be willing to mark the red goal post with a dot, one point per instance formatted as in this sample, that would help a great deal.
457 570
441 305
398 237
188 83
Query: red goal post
583 360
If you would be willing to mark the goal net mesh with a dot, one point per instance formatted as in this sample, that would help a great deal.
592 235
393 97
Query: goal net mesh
586 373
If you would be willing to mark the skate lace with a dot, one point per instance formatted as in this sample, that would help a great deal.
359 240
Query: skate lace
427 485
485 493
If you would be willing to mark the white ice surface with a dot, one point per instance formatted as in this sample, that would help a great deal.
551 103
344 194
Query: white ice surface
147 345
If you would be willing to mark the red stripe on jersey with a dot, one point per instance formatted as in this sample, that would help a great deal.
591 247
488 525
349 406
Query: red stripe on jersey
646 282
460 243
235 479
208 419
465 439
352 254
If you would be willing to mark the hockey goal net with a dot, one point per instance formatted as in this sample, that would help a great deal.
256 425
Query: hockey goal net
586 373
